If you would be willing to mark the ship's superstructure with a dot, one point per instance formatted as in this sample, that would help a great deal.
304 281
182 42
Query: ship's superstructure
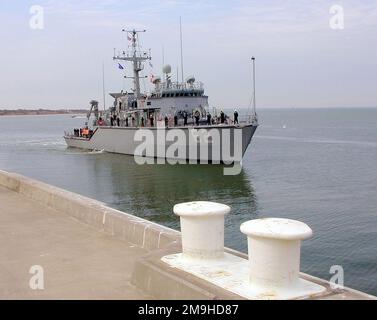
167 99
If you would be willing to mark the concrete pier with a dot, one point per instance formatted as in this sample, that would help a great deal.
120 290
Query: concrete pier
90 251
78 261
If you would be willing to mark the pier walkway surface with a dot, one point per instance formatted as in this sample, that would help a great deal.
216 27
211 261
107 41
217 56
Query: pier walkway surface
78 261
56 244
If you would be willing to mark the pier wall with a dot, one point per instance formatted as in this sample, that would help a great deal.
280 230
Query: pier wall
119 224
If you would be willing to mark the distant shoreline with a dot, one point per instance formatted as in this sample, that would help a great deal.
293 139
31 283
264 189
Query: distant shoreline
39 112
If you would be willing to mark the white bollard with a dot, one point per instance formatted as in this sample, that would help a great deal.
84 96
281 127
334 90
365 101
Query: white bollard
202 228
274 251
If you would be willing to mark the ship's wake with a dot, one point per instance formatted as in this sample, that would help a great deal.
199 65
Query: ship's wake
76 151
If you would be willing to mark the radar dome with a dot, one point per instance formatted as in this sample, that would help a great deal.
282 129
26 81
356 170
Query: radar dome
166 68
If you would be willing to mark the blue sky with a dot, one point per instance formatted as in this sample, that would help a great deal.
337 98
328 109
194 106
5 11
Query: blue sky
301 61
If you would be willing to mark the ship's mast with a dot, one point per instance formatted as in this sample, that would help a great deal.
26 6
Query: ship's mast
103 85
254 102
136 57
254 116
180 38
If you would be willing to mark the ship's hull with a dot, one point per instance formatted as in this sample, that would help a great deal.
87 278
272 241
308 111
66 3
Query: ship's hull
226 143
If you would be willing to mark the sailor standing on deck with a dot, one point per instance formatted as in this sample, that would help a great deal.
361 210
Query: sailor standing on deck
209 118
235 117
222 117
197 117
100 122
85 131
185 119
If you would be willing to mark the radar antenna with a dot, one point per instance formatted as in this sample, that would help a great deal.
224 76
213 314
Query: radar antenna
137 57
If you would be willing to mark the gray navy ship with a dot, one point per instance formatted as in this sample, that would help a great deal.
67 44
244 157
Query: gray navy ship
172 121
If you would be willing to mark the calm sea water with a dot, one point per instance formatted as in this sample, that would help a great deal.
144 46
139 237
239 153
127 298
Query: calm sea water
315 165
